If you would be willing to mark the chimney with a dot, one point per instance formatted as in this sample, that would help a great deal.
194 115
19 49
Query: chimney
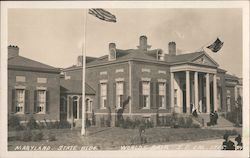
112 51
13 51
171 48
143 41
79 60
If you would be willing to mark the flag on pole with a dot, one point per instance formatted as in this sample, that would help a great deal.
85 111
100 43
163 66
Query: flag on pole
102 14
216 46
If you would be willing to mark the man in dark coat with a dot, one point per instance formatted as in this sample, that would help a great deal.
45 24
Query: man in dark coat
227 144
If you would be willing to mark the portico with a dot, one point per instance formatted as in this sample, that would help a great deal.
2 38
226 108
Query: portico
193 86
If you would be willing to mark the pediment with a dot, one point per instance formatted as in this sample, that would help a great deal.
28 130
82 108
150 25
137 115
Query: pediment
205 60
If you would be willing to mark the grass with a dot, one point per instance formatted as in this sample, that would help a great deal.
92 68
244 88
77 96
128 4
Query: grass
114 138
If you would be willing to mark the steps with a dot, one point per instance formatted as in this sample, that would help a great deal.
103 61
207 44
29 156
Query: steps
221 122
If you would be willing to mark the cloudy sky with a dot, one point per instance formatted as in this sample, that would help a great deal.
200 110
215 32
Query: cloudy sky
55 36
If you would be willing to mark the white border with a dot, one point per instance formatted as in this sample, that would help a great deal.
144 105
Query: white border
125 4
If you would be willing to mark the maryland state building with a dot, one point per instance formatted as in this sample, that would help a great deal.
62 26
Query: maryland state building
143 82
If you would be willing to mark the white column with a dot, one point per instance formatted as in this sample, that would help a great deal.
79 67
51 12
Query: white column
187 92
215 93
196 92
172 92
207 93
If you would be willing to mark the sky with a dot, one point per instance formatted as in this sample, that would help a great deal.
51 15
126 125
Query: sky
55 36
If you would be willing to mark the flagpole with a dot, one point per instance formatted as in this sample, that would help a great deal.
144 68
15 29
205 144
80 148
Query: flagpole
202 47
83 131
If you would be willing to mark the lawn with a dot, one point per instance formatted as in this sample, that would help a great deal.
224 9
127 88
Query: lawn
114 138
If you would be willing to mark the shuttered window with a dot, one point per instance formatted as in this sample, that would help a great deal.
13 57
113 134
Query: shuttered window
41 101
162 95
20 100
119 94
103 96
146 94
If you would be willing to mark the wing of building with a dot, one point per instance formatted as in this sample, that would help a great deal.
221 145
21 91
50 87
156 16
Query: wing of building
33 88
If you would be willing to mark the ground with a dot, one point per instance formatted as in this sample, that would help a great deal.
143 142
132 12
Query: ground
113 138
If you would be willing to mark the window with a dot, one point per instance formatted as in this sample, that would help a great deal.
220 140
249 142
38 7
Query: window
89 105
146 93
162 95
103 95
41 101
228 104
119 94
160 56
41 80
20 100
20 79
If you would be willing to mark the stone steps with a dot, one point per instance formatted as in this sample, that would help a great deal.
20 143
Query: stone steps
221 122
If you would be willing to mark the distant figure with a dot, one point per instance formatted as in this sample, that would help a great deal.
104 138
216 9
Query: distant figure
227 144
142 128
239 145
212 118
215 117
194 111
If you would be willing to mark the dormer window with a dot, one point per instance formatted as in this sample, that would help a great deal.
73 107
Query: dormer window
160 55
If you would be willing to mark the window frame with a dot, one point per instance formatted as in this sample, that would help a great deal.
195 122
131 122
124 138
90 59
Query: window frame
16 101
162 96
38 103
146 100
103 96
119 94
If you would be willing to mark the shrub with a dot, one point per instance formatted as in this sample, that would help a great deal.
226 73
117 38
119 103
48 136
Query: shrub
32 123
189 122
108 121
87 122
14 123
51 136
168 120
181 122
37 136
26 135
102 121
93 118
64 124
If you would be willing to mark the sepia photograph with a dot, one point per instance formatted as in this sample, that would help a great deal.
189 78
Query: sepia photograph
96 78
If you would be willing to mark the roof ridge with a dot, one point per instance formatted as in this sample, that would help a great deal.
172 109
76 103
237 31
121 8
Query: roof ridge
35 61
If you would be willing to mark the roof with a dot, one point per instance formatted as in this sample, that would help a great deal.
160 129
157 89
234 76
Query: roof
19 62
182 57
75 86
148 55
231 77
122 55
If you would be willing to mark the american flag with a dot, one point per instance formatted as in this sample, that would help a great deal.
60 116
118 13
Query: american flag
102 14
216 46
